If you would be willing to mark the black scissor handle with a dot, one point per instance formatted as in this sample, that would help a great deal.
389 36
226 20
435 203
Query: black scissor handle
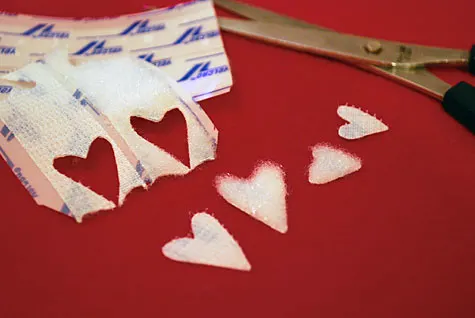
459 102
471 61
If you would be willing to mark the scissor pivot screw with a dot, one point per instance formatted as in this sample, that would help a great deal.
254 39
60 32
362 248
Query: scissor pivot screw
373 47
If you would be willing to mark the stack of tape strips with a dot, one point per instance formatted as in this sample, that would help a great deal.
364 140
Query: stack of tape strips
183 40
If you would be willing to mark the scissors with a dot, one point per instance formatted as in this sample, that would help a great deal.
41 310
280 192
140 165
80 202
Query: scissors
402 62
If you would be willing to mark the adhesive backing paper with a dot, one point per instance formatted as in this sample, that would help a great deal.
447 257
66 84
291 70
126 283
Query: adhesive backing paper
183 40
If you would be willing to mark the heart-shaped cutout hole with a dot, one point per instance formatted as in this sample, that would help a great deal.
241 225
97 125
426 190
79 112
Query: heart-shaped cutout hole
98 171
169 134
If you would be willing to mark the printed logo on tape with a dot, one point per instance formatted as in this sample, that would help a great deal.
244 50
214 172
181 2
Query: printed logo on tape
157 62
201 70
43 30
98 48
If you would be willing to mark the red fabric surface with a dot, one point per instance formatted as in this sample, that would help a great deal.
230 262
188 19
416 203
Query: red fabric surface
396 239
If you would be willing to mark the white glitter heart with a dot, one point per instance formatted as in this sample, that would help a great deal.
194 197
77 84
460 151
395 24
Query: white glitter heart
212 245
262 196
360 124
330 164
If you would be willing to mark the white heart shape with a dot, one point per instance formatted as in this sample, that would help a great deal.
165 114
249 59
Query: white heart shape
212 245
262 196
360 124
330 164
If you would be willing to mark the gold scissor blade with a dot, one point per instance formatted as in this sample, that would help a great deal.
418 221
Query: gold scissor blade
259 14
419 79
344 46
300 39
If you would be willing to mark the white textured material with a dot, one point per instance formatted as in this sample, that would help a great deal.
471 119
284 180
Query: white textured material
360 123
330 164
262 196
212 245
50 122
126 87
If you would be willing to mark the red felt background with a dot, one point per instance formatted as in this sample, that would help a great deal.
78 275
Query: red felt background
396 239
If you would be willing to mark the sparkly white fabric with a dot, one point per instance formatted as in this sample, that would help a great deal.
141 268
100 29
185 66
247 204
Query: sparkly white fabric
330 164
262 196
211 245
125 87
50 121
360 123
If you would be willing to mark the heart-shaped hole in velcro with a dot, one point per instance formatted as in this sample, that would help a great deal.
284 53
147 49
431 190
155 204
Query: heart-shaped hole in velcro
98 171
170 134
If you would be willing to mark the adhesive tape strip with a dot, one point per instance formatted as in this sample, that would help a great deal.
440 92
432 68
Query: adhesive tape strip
183 40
